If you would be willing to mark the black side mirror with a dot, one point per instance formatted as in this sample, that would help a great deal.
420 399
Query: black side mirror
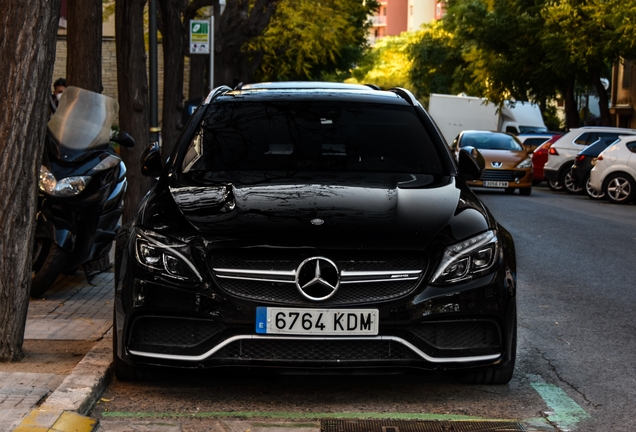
123 139
471 163
150 160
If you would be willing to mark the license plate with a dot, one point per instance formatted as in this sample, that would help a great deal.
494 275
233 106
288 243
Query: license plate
329 322
495 184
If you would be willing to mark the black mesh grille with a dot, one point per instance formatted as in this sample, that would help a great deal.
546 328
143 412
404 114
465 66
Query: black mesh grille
501 175
346 294
287 293
310 350
171 332
459 335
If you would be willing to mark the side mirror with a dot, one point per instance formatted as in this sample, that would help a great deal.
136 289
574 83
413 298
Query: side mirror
123 139
150 160
471 163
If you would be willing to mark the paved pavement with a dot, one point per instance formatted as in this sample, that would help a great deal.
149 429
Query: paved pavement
72 309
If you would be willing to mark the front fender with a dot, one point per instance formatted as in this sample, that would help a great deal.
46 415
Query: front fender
56 229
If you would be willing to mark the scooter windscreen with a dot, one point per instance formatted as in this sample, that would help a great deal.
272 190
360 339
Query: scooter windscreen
82 122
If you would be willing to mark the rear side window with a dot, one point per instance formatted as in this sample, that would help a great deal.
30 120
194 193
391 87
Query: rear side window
312 136
588 138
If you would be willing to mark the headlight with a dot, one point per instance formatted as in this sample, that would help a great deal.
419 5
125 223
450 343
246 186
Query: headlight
527 163
468 259
67 186
164 255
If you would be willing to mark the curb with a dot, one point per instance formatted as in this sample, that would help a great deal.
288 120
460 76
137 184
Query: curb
66 408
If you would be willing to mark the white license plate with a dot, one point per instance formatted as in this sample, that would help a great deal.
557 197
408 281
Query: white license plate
495 184
329 322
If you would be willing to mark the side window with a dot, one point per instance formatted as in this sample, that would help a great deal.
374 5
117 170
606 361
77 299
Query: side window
586 138
632 147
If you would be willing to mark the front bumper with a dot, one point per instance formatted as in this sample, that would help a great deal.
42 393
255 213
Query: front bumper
467 326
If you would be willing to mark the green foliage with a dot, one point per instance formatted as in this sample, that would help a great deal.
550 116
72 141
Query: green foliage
308 39
387 64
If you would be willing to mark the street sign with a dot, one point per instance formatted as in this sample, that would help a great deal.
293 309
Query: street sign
199 37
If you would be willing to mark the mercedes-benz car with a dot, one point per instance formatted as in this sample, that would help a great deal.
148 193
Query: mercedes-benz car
312 227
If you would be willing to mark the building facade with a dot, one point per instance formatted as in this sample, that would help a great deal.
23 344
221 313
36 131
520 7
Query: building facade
623 94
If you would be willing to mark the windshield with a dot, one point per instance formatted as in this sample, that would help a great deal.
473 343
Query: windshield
490 141
311 136
82 121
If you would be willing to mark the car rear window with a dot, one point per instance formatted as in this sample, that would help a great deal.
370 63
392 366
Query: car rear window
312 136
490 141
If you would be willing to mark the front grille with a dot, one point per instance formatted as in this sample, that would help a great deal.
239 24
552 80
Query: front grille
171 332
502 175
346 295
316 350
266 288
459 335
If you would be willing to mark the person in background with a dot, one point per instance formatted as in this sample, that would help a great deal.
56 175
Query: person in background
58 88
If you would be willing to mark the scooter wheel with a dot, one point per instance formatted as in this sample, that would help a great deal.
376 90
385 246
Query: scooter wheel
48 262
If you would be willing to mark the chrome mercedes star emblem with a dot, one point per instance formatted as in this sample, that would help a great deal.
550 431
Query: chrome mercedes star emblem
317 278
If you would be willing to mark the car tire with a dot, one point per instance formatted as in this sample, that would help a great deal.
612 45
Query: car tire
124 371
536 182
592 193
498 376
525 191
568 183
619 188
509 191
555 186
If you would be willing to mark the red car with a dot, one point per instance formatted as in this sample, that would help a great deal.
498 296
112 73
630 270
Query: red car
539 158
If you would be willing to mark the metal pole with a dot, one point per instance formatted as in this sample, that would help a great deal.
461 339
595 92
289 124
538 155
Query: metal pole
152 73
212 51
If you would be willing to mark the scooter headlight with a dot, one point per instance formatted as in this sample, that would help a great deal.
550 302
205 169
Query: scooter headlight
68 186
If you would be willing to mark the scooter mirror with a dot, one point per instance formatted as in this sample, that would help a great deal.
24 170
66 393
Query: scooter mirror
150 160
123 139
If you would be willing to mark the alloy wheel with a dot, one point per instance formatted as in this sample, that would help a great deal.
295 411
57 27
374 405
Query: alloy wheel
619 189
570 185
593 193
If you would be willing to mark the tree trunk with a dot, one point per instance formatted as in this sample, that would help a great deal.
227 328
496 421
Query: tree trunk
238 24
198 64
132 83
571 113
603 101
174 40
27 45
84 42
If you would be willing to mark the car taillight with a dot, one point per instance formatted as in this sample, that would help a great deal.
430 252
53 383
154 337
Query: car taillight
553 151
600 157
579 158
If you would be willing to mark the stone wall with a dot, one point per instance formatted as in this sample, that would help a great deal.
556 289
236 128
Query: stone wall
109 68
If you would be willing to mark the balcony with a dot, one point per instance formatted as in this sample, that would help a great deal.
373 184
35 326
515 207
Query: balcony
378 21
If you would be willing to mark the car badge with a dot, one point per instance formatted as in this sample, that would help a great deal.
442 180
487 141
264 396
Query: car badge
317 221
496 164
317 278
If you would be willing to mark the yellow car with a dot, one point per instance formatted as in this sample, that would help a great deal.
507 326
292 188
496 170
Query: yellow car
508 165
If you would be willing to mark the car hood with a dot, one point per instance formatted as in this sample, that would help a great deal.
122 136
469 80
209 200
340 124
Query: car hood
384 210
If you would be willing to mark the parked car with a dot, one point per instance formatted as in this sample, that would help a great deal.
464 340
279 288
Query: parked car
562 153
532 141
614 172
314 226
539 158
508 165
583 164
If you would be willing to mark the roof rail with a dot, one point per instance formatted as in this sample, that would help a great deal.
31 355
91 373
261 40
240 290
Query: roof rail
406 95
216 92
373 86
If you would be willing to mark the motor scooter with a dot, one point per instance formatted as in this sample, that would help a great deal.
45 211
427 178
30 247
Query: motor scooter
82 182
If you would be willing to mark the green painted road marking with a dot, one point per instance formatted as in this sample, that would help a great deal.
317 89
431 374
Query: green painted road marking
301 415
565 413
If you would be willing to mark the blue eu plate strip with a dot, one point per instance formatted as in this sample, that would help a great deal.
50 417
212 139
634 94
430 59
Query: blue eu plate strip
261 320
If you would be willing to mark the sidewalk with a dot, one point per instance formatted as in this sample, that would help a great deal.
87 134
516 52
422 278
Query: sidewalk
72 310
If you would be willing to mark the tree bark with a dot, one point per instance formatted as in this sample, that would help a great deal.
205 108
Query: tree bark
27 45
603 101
571 113
132 84
84 42
174 43
197 76
238 24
